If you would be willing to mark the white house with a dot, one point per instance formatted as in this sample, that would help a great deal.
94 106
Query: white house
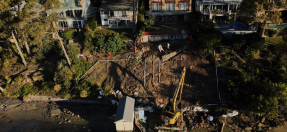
217 8
72 14
124 120
118 13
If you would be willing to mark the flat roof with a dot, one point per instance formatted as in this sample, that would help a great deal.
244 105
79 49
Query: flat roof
116 5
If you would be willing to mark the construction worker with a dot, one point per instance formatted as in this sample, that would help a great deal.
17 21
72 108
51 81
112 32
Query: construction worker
168 45
160 48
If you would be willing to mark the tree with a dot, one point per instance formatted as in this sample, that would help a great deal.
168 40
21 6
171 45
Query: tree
99 43
148 23
30 22
114 44
261 11
195 19
19 50
214 39
63 48
91 24
284 35
63 76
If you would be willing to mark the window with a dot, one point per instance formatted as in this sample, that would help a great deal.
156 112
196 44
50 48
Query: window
183 6
77 24
69 13
105 19
112 22
120 13
156 6
116 13
63 24
169 7
124 13
78 13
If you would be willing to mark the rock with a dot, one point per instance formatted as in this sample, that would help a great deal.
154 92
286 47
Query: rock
248 128
60 122
29 106
69 120
54 110
11 103
78 115
259 129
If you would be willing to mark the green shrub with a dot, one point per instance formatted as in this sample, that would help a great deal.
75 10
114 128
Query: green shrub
107 91
67 35
26 89
271 32
47 85
91 24
84 94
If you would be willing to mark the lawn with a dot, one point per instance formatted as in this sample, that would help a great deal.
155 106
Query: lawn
168 27
274 40
126 33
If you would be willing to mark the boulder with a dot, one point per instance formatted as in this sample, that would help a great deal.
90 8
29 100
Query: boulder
54 111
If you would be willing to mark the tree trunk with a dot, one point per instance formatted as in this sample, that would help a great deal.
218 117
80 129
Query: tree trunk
63 48
19 50
263 119
26 45
1 89
262 32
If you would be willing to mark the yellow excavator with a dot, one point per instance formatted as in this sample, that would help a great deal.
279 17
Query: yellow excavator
171 115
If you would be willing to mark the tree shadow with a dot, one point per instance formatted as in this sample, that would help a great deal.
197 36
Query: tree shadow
113 73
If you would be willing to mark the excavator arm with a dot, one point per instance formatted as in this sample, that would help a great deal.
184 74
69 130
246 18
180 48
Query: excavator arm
178 89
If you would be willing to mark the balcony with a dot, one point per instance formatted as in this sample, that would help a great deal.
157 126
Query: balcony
183 1
219 11
164 12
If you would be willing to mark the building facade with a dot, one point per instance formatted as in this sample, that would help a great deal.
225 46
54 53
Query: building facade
73 14
118 13
169 11
218 9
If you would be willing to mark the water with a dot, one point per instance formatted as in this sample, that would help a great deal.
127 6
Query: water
236 26
284 25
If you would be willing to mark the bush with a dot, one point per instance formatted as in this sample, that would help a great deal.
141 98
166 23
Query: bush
114 44
26 89
271 32
107 91
67 35
91 24
84 94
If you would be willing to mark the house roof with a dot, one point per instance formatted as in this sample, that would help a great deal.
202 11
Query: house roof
125 109
116 5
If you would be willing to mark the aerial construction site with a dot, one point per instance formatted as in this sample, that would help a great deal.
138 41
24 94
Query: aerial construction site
169 86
